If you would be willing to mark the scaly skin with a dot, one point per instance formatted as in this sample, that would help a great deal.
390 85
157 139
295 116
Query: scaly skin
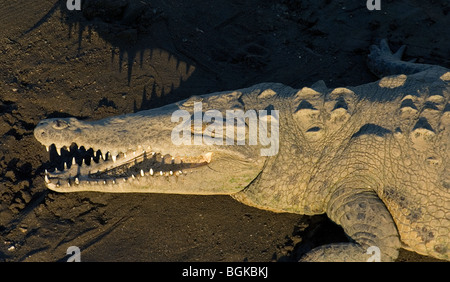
374 157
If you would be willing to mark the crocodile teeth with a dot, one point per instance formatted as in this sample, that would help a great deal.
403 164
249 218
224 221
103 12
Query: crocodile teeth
84 165
208 157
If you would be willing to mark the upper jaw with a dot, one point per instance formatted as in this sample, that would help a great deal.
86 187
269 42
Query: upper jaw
208 173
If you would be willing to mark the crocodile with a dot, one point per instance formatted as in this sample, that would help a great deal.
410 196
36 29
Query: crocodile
374 158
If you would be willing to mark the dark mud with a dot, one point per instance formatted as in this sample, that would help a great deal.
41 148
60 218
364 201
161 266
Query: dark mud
117 57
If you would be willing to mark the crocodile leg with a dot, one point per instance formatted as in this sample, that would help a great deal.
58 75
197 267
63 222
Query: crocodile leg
366 221
382 62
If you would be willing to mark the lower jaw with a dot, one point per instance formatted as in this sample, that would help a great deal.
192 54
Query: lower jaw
85 183
162 182
136 176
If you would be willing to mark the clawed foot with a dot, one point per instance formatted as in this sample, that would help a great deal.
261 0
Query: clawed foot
383 62
344 252
384 50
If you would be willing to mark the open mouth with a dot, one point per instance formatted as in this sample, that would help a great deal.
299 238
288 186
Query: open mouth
78 165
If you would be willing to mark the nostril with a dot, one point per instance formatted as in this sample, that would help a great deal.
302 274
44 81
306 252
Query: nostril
60 124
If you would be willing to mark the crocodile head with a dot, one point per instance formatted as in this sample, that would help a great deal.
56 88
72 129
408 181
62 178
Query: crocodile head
179 148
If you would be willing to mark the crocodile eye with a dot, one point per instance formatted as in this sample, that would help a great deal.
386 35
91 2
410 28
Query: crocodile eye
190 102
60 124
